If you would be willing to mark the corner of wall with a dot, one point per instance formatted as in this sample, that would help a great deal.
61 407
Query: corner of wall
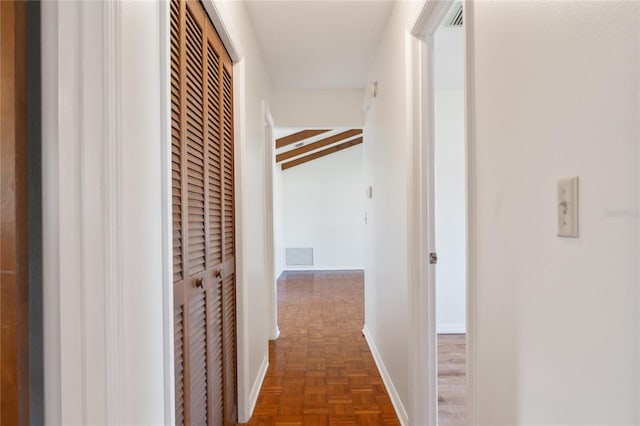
255 390
401 412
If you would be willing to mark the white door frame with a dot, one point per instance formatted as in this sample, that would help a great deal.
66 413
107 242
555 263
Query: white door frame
269 224
423 350
107 286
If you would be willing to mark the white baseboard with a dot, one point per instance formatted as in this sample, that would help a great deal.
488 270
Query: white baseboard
451 329
277 335
401 412
257 385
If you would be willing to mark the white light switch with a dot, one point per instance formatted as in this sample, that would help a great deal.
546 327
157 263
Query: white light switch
568 207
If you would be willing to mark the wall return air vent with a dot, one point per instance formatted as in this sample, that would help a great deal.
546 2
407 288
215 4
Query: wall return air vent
299 256
455 19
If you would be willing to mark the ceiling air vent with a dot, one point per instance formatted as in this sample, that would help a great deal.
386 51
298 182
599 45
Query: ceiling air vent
455 19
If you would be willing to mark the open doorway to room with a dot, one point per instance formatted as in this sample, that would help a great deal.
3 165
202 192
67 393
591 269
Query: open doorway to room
316 204
318 200
450 215
320 366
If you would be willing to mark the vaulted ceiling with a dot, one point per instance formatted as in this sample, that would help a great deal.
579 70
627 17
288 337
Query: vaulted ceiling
299 146
319 44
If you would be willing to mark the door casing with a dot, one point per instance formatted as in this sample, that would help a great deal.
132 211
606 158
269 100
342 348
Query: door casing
422 310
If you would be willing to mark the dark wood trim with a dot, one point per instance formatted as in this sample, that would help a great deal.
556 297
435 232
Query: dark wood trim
297 137
14 280
319 144
322 153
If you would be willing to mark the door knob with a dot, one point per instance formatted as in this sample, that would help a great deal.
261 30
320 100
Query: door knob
200 282
218 274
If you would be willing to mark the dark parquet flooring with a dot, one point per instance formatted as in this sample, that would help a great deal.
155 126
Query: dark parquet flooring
321 370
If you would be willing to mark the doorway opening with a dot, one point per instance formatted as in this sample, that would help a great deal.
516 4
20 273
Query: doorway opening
450 215
318 199
442 252
321 367
314 204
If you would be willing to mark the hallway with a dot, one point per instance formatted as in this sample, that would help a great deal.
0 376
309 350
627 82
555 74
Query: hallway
321 370
124 249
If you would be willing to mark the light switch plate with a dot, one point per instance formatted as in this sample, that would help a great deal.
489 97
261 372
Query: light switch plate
568 207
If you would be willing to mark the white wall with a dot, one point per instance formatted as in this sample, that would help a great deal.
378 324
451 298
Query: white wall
318 108
254 311
323 208
386 164
450 180
450 185
556 326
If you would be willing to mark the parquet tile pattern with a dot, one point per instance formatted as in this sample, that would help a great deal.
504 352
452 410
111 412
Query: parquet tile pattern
321 370
451 379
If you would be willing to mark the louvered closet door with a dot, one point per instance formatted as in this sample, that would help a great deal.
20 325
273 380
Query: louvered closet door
203 220
228 250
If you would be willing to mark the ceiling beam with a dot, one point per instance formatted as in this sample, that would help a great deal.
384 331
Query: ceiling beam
320 154
297 137
319 144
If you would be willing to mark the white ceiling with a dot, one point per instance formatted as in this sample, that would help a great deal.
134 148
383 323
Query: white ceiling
319 44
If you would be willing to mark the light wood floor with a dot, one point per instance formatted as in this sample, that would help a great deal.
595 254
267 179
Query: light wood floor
321 371
451 379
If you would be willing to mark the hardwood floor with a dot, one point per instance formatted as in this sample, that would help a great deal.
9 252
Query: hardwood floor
321 370
451 379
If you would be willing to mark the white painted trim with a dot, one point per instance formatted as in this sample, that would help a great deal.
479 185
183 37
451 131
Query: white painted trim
242 299
64 86
269 222
72 380
428 17
231 43
100 93
391 390
268 117
257 385
113 231
452 328
167 212
472 259
423 346
51 214
422 356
